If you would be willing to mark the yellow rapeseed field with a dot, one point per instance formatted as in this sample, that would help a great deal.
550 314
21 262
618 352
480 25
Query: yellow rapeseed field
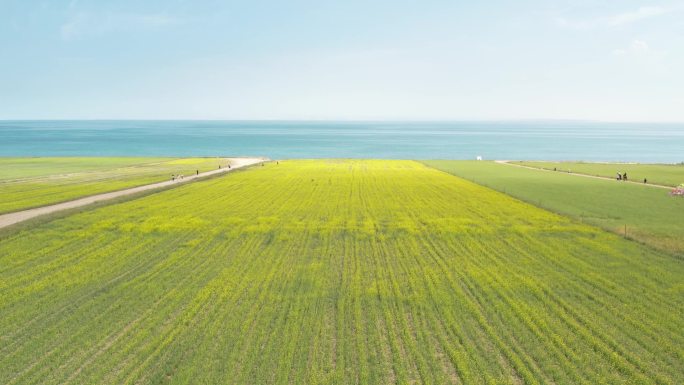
335 272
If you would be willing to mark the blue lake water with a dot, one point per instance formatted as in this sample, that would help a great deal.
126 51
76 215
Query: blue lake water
591 141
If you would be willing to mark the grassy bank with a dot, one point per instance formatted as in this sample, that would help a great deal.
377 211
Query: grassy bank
663 174
649 215
33 182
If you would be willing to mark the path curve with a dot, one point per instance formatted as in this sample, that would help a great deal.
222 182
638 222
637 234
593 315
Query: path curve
20 216
508 162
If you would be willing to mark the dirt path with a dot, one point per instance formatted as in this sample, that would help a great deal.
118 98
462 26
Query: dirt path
20 216
508 162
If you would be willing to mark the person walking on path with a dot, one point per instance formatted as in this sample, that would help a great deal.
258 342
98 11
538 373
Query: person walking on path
624 177
196 172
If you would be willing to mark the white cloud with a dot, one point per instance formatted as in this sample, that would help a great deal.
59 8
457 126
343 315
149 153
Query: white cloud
630 17
83 24
637 47
155 20
617 19
73 27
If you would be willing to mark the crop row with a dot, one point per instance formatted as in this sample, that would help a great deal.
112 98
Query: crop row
346 272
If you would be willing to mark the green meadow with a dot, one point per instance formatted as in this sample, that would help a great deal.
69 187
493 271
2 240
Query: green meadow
647 214
663 174
34 182
339 272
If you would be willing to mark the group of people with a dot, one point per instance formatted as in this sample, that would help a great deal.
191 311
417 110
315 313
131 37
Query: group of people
180 176
623 177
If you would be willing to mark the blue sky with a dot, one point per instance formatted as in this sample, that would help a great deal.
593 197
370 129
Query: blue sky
428 59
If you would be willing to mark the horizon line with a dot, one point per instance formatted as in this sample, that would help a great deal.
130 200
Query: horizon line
351 120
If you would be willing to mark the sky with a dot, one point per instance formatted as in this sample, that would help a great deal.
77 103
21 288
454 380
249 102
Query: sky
342 60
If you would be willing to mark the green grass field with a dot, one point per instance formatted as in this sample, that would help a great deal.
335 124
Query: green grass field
651 215
335 272
34 182
664 174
